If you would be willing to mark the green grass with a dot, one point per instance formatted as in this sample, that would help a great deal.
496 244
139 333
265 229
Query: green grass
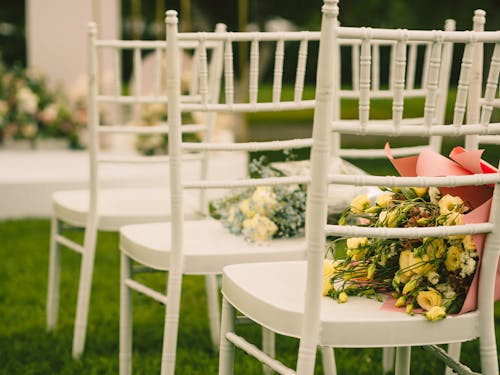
27 348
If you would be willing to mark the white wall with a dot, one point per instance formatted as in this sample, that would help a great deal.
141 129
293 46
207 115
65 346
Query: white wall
56 32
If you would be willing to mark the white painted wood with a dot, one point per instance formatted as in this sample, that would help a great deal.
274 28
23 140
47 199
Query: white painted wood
97 208
286 296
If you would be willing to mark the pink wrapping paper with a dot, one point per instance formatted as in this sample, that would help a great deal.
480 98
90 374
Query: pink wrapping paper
431 164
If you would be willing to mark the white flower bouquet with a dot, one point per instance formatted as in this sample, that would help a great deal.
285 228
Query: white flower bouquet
264 212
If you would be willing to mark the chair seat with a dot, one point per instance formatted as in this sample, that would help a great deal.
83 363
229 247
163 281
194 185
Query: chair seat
118 207
208 246
272 294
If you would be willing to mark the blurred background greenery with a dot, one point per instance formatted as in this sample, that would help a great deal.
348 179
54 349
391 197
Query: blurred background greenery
144 19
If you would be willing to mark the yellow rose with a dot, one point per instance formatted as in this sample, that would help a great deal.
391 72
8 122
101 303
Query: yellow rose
343 297
419 265
449 204
259 228
360 203
436 313
453 218
427 299
453 258
247 209
468 243
264 200
328 272
420 191
383 200
434 247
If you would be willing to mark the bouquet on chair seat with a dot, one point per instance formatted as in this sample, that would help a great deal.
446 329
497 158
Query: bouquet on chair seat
263 212
435 276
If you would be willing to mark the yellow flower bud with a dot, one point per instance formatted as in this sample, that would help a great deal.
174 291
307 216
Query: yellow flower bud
393 218
400 302
328 272
409 286
342 297
420 191
383 200
371 271
409 309
436 313
356 242
427 299
360 204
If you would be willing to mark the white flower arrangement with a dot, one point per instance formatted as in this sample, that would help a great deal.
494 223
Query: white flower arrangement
264 212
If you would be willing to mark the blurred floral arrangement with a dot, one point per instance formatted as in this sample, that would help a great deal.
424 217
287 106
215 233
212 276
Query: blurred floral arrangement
431 274
157 144
263 212
30 110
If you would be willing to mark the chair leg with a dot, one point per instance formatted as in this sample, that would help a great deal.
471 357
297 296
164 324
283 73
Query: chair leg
84 287
403 355
453 352
54 276
328 360
171 320
388 360
212 291
226 350
125 317
268 347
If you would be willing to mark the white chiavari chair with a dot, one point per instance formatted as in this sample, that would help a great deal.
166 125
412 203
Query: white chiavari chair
105 208
286 297
186 247
381 84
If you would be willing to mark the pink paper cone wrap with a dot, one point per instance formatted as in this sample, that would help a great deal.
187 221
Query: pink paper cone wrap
431 164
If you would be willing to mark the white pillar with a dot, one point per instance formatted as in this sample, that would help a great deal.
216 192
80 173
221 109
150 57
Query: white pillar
56 33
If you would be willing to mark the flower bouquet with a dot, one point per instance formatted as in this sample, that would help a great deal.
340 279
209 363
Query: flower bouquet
435 276
263 212
31 110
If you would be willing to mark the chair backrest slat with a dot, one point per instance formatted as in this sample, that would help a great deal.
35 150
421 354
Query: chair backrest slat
491 87
463 86
399 82
253 85
432 84
278 70
301 70
364 81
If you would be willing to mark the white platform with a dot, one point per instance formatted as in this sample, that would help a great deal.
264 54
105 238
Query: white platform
28 178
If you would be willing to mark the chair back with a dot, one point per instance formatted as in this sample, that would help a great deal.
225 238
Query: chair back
231 101
128 112
384 60
326 120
